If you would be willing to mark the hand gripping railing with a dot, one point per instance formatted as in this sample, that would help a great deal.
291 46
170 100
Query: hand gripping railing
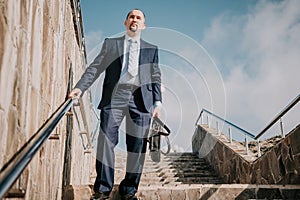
246 133
15 166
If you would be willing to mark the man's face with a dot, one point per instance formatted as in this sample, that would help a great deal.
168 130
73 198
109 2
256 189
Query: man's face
135 21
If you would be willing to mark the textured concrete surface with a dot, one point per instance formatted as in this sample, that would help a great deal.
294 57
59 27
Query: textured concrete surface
161 181
279 165
37 48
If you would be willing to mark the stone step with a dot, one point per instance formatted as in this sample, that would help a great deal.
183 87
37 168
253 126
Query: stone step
214 191
157 178
164 163
174 169
197 191
122 163
183 176
184 172
179 181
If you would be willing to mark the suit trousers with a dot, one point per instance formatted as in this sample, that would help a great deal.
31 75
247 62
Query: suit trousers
126 103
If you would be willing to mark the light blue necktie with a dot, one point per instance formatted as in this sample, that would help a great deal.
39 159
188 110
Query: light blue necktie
132 60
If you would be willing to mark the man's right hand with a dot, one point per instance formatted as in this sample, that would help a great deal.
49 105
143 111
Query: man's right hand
75 93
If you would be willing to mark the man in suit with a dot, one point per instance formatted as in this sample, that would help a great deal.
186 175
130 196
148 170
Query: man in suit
131 89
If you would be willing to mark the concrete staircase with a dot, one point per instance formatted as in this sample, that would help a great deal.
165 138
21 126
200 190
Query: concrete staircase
171 178
184 176
175 169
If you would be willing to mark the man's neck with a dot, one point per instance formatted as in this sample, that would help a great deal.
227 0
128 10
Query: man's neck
133 34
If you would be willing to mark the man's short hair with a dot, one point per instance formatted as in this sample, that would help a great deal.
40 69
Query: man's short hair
133 10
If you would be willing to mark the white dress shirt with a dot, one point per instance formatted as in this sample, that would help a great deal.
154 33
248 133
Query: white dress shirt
126 77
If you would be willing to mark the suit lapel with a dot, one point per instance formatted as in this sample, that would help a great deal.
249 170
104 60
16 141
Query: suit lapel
120 45
142 51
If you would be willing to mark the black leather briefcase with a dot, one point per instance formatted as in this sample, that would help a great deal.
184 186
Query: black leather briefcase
156 131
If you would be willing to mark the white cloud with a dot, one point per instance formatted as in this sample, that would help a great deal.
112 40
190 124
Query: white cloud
93 41
258 55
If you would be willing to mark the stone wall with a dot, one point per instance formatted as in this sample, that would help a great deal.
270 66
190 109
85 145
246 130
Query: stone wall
37 47
280 165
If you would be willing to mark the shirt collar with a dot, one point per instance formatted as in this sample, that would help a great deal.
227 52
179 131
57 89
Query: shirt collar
137 38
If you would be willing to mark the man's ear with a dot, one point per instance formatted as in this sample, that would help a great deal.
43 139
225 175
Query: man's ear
144 26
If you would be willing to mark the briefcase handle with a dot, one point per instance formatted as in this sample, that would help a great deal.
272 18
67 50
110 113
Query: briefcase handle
155 133
166 128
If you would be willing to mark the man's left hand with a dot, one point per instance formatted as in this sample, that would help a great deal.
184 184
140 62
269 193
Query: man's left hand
156 112
157 109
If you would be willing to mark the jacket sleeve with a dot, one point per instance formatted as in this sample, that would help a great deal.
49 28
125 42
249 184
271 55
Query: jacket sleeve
94 70
156 78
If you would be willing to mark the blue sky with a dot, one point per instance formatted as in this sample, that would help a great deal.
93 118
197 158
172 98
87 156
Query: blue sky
237 58
190 17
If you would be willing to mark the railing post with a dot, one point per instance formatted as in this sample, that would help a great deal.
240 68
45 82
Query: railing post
217 127
281 128
230 135
201 119
21 179
258 148
207 121
246 145
279 116
197 123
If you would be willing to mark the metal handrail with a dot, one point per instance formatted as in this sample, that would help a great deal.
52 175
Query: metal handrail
85 129
78 25
16 165
246 133
278 117
227 122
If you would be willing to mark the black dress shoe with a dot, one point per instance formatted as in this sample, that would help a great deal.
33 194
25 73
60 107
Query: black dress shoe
99 196
129 197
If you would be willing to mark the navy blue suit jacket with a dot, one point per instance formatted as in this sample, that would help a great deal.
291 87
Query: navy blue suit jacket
110 60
